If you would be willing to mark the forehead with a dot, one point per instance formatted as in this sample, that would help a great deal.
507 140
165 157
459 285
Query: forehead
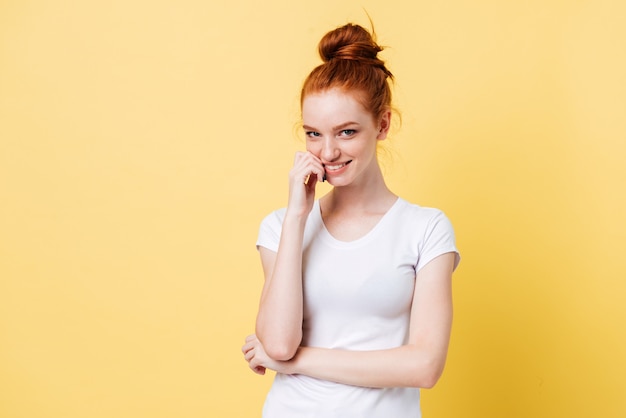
332 108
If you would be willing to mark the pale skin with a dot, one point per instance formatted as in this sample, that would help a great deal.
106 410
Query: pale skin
341 145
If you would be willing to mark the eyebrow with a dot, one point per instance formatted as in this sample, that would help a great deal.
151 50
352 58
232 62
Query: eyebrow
335 128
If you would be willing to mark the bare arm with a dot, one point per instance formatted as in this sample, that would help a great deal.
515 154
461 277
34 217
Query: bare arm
279 319
419 363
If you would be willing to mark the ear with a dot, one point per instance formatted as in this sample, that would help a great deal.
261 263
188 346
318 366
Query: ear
384 123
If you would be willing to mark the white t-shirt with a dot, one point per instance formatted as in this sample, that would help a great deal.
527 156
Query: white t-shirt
357 296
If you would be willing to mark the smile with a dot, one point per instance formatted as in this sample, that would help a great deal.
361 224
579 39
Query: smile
336 166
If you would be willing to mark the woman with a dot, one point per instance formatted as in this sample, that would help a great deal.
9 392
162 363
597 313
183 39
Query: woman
356 309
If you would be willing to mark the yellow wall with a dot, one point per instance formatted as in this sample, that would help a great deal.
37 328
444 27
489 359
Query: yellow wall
141 143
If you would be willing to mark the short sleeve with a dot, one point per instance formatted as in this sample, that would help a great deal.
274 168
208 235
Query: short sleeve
269 231
438 239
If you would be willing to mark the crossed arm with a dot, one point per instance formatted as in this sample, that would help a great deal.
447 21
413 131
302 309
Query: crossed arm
419 363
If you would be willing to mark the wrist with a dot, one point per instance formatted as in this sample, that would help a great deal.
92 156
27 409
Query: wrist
295 218
294 365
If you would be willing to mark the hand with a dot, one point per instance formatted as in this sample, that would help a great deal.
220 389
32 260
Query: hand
258 360
307 170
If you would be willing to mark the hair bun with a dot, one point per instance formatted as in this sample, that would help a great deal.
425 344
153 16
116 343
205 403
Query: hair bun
351 63
354 43
350 42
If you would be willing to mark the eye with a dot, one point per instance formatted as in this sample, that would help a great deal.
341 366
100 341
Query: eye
348 132
312 134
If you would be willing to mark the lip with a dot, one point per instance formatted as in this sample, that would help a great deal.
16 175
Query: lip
336 168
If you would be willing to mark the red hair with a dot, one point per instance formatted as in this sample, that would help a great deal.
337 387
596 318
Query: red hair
351 63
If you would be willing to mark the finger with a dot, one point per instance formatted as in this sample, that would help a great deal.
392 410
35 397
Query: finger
311 180
313 156
313 170
258 370
306 159
306 164
321 177
299 158
247 347
256 366
250 341
318 167
250 337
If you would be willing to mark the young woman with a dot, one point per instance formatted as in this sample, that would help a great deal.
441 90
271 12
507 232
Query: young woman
356 308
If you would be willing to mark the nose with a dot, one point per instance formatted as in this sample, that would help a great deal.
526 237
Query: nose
330 150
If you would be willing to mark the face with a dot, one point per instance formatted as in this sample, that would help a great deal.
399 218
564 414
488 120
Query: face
343 135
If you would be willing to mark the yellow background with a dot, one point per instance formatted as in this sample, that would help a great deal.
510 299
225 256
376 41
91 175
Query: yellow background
142 142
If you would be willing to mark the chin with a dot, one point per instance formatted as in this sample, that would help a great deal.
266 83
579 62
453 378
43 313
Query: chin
338 182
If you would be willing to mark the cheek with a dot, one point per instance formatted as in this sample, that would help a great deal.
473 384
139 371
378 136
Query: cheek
313 148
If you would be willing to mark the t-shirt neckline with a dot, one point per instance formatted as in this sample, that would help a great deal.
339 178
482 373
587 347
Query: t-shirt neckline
330 239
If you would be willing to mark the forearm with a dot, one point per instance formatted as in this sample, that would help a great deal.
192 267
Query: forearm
405 366
279 320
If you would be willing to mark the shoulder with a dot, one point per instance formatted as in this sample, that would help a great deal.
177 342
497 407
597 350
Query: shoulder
272 225
269 230
430 229
274 218
419 215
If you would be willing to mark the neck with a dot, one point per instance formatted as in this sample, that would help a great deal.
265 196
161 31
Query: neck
371 195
